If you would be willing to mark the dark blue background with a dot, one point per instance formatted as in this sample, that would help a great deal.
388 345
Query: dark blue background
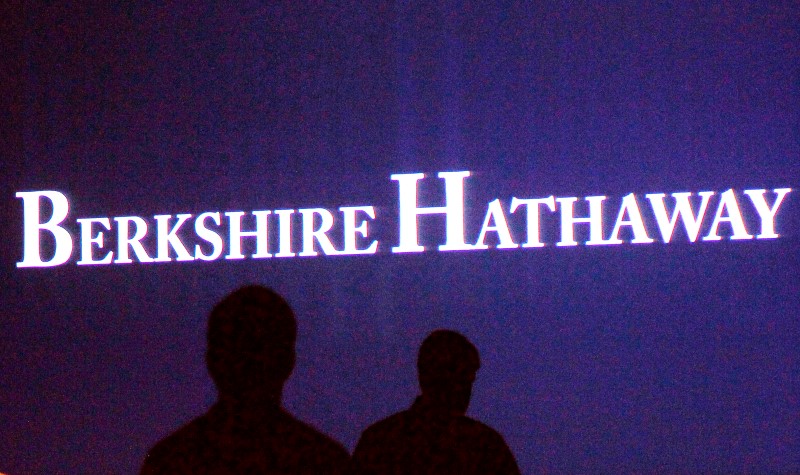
637 358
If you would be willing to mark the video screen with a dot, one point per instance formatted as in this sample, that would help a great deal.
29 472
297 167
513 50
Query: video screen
602 198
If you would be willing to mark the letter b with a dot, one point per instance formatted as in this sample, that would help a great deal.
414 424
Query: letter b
32 228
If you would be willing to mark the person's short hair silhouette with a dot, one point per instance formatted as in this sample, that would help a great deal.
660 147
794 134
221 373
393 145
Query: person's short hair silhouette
251 353
434 436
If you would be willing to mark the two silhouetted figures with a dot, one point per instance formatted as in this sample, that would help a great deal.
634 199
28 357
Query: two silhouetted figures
251 353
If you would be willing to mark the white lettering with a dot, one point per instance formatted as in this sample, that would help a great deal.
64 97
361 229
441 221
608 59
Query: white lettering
350 229
727 203
683 209
766 213
453 209
236 234
167 237
209 236
568 221
87 240
310 234
32 227
533 217
631 207
495 212
208 242
285 237
124 240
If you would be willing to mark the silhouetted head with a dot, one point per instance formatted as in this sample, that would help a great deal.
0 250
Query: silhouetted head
447 365
251 336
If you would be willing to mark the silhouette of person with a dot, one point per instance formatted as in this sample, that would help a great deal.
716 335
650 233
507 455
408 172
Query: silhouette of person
434 436
251 353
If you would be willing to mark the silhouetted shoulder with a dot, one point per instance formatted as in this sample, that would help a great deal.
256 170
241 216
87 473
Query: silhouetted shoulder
223 445
496 457
316 447
418 442
182 450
